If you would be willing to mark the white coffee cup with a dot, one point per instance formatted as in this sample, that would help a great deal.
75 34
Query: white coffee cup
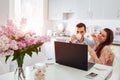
78 36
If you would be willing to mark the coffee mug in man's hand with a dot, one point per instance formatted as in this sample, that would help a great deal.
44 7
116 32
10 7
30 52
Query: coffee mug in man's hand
78 36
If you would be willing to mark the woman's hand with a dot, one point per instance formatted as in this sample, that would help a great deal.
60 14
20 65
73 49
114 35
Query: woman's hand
89 49
94 36
93 54
110 59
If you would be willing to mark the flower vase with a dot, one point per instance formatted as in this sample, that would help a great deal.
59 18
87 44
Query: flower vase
19 74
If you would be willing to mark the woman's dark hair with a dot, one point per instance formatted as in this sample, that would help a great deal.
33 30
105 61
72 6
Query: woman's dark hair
108 41
79 25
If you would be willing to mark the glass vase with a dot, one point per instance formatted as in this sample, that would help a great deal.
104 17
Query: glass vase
19 74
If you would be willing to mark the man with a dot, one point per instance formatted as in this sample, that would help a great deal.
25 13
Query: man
79 37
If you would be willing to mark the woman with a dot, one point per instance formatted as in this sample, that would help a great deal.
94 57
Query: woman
102 52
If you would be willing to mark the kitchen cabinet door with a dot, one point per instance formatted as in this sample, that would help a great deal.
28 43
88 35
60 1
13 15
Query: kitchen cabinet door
96 9
85 9
82 10
111 9
58 7
55 10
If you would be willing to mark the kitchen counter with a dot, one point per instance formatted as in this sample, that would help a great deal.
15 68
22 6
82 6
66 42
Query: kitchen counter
116 43
63 39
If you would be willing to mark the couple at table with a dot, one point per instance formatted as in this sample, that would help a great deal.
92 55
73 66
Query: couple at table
99 49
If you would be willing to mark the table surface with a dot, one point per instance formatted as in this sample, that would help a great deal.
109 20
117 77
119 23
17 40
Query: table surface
61 72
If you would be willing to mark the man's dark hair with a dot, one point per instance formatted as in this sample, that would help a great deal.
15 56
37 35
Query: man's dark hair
79 25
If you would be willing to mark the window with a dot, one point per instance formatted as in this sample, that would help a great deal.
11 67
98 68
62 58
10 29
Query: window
32 10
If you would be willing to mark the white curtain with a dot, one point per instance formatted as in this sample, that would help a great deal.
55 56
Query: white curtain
32 10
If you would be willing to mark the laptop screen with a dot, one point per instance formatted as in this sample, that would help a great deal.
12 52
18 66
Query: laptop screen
74 55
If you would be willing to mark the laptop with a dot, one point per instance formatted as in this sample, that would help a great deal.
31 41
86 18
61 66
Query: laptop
73 55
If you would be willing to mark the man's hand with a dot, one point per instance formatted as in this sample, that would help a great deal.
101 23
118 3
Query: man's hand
73 38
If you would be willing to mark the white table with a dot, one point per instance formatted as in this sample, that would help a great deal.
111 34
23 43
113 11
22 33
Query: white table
61 72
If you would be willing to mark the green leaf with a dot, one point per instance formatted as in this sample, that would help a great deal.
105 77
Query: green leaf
29 53
35 50
7 57
14 56
20 59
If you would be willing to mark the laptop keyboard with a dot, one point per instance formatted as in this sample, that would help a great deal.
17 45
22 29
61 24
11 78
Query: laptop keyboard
90 65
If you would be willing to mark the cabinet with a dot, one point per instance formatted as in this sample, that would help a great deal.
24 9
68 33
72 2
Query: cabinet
55 9
111 9
85 9
58 7
82 9
105 9
96 9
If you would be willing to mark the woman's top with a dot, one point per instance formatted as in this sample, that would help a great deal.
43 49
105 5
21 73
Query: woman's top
105 58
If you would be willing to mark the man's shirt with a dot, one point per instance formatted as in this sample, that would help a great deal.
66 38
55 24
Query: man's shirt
86 42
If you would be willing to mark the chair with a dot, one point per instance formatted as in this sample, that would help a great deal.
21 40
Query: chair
116 67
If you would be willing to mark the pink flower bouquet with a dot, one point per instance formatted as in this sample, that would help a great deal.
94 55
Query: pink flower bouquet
14 42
